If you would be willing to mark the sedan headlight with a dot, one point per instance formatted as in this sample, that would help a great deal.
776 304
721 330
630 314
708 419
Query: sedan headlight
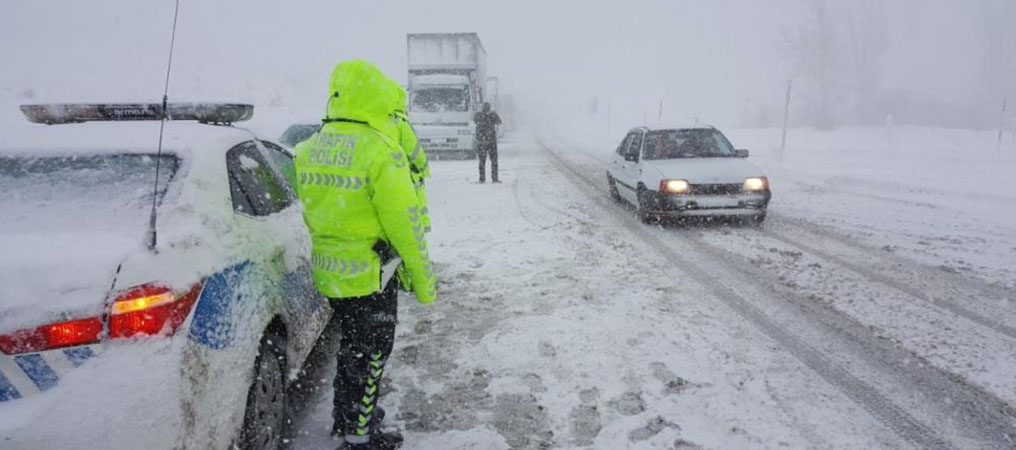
674 186
756 184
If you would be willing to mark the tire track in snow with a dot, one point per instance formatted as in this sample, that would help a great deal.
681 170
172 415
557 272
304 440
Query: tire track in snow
995 324
971 285
866 396
977 413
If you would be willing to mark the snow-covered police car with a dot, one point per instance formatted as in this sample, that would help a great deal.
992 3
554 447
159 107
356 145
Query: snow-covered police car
686 171
137 313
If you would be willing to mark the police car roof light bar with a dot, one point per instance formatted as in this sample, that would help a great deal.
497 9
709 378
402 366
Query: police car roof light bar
211 113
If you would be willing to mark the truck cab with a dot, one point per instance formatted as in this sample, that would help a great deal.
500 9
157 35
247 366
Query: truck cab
441 107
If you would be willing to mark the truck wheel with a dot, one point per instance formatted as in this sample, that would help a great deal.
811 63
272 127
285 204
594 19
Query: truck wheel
265 415
612 186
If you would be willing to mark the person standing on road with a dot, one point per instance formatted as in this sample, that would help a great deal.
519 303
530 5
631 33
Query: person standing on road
361 210
486 140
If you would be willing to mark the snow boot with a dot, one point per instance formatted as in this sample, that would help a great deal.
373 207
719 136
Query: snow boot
379 415
379 440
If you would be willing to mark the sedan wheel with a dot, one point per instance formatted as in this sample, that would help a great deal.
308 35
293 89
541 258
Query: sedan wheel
643 206
612 187
266 400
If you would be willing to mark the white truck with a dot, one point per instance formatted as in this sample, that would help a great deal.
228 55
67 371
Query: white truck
447 84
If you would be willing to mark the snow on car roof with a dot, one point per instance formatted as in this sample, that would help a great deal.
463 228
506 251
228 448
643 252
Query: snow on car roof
115 137
71 269
694 126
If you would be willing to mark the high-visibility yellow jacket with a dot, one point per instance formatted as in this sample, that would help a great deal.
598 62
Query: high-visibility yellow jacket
417 154
418 165
354 182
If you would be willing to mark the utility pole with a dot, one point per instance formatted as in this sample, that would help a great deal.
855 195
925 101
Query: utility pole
645 115
659 117
608 117
1001 123
786 119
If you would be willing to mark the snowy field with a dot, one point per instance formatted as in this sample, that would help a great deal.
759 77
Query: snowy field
875 308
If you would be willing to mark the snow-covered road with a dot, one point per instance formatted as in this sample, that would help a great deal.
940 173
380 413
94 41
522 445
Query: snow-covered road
563 322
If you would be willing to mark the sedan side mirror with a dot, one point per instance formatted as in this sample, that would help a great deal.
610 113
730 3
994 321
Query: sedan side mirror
741 153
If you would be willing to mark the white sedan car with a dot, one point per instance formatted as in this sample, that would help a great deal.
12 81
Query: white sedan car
689 171
120 332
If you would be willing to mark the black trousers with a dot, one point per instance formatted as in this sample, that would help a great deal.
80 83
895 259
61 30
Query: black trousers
482 151
366 326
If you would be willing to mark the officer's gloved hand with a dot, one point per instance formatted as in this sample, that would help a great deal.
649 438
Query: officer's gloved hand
405 281
426 292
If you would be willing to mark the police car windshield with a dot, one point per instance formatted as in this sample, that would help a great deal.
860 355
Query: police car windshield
688 143
440 99
98 193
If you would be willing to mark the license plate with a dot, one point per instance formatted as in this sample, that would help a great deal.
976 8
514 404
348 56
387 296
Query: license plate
716 202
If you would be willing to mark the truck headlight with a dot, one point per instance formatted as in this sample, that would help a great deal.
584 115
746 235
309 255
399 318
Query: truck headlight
465 132
755 184
675 186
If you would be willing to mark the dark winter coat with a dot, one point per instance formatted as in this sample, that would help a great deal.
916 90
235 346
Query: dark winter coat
486 127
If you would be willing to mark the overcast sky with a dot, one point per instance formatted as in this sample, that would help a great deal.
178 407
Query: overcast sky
706 59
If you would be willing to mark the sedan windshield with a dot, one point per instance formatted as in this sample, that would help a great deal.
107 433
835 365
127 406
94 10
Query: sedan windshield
440 99
690 143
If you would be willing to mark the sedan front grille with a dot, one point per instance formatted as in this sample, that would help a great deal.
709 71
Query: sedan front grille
715 189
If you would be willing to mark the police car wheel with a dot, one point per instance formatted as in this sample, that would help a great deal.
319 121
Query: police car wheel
265 414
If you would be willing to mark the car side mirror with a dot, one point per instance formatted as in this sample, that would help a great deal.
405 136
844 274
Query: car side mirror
741 153
631 157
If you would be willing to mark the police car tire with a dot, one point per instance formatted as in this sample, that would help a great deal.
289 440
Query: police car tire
265 414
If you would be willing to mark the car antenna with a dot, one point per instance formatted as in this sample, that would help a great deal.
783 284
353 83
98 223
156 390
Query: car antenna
162 127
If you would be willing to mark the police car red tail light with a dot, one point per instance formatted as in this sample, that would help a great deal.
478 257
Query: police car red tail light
150 309
52 336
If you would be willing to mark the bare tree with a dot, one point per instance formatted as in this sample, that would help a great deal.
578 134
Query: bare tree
813 49
998 63
866 35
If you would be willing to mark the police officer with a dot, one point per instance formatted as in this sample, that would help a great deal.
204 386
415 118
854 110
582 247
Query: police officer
419 169
486 140
361 209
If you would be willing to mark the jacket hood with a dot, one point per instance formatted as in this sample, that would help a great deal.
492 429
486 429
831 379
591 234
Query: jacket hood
401 106
359 91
